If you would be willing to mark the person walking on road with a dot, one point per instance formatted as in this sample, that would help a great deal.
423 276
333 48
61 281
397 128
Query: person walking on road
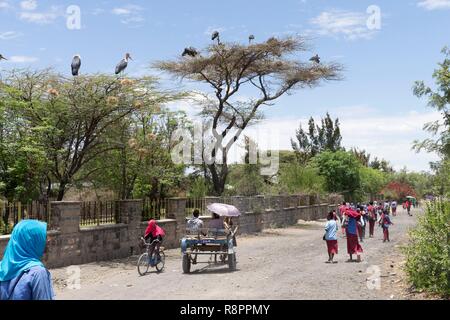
394 207
330 236
353 246
372 215
385 222
408 206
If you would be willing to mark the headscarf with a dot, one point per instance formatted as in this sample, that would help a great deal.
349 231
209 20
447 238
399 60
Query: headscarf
24 250
154 229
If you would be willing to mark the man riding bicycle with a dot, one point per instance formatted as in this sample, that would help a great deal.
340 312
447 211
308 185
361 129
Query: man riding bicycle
152 233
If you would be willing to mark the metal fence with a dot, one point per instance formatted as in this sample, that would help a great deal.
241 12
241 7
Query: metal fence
94 213
195 203
12 212
154 209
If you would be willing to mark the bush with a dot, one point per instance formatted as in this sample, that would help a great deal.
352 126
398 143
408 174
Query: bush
428 252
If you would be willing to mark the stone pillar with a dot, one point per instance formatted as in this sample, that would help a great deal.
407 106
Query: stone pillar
64 246
65 216
131 214
176 209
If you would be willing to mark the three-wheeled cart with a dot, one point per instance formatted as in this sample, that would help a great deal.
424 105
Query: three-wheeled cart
218 244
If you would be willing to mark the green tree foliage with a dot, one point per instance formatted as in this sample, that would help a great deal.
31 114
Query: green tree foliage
340 170
296 178
440 130
382 165
439 100
362 156
326 137
246 179
69 127
428 251
372 182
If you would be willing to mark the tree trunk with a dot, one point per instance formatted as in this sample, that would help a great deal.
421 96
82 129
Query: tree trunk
61 190
218 179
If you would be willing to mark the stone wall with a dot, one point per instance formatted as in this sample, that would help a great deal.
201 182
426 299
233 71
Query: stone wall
71 244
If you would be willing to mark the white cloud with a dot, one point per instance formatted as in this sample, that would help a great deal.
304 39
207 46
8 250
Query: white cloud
22 59
434 4
388 136
130 14
8 35
28 5
41 17
351 25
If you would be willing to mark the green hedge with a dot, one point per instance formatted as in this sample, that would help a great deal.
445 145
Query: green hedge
428 251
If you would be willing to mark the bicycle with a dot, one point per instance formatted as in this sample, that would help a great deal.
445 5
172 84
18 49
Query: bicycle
144 261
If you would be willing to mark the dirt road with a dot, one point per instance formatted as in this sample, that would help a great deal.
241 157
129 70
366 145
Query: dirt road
276 264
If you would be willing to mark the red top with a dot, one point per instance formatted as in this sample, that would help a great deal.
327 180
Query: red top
154 230
352 213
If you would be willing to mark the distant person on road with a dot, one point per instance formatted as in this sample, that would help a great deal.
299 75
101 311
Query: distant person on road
22 274
361 224
385 222
394 207
330 236
353 246
408 206
372 215
152 233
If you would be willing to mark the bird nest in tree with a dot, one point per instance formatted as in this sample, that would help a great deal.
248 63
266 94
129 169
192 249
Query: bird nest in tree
127 82
112 101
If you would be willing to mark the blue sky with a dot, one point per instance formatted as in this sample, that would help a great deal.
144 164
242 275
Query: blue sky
374 102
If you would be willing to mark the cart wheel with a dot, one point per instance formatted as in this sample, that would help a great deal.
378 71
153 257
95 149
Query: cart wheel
232 261
186 263
143 264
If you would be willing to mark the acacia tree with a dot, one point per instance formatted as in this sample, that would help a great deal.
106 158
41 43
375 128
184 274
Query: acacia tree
70 117
268 70
141 166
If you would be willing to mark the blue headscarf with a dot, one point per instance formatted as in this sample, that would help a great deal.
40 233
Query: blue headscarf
24 250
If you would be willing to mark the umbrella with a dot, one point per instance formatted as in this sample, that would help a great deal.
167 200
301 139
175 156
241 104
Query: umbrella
224 210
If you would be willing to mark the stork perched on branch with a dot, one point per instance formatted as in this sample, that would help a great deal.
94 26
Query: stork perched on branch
315 58
76 64
122 65
215 35
251 38
190 51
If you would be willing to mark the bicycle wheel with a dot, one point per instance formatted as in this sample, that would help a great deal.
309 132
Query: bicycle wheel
161 260
143 264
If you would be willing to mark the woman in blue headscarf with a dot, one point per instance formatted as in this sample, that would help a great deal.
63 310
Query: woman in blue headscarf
22 274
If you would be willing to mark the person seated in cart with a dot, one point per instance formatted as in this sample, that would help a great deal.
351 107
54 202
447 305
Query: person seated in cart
216 222
195 223
154 232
